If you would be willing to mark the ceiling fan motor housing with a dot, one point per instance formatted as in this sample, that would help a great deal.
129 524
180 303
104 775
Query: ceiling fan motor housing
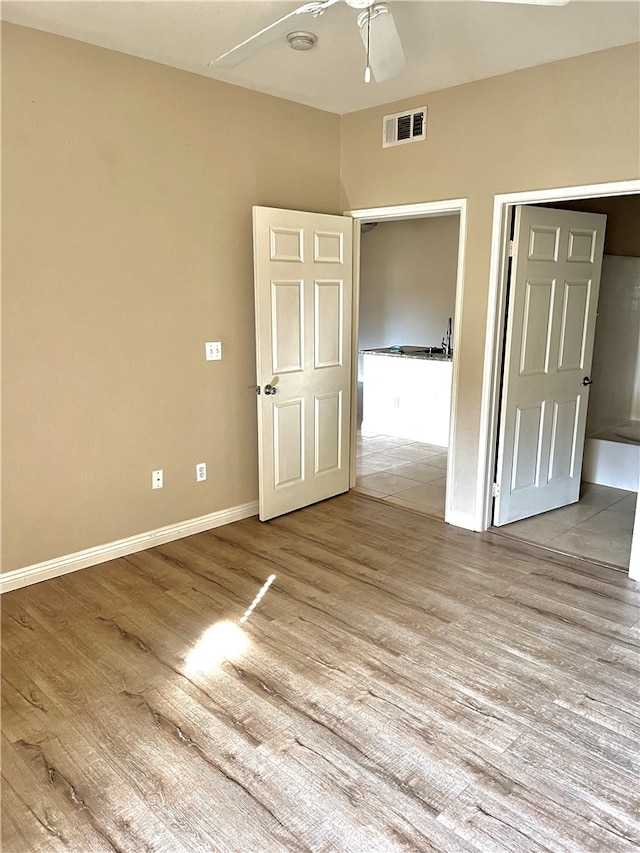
301 40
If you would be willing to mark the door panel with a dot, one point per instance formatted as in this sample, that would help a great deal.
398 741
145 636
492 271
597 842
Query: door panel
562 453
582 245
328 416
536 327
574 326
288 433
303 295
285 244
328 332
328 247
528 436
551 316
287 329
544 242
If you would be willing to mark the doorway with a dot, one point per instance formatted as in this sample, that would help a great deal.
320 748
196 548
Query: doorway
604 516
425 466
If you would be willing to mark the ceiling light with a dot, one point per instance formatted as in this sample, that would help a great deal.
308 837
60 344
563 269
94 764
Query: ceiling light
300 40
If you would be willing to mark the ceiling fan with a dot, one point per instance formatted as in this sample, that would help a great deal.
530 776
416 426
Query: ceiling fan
385 57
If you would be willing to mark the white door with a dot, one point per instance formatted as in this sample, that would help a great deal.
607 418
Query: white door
551 317
303 296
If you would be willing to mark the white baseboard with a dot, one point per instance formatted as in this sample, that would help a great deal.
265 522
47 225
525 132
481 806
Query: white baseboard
100 554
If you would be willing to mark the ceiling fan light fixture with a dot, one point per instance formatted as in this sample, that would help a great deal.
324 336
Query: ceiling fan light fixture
301 40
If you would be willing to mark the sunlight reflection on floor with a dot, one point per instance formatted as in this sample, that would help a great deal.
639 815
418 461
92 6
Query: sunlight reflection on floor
224 640
265 586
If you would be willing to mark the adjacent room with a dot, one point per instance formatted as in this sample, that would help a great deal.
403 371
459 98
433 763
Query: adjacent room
408 272
600 525
213 637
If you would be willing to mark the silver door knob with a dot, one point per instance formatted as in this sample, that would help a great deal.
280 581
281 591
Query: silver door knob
269 390
587 381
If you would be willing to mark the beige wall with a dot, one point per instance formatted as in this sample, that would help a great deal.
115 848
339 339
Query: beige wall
567 123
126 216
408 281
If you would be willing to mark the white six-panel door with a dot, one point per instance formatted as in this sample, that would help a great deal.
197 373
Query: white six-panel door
551 316
303 299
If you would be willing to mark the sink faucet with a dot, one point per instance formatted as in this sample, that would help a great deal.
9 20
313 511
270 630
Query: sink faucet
446 341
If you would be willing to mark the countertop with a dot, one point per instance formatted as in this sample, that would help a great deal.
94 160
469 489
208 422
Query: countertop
428 353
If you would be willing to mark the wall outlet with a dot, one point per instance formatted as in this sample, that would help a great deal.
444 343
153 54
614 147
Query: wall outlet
213 350
201 472
156 479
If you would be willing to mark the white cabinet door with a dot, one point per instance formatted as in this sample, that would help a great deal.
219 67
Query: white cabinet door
303 299
551 316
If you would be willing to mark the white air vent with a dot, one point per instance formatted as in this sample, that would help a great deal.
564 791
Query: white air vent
404 127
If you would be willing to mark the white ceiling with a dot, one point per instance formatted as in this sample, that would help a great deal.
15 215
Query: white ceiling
447 42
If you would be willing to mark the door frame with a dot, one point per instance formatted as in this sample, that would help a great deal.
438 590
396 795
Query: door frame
422 210
503 206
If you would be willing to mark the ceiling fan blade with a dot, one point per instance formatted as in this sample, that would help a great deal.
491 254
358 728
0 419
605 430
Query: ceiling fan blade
269 34
386 54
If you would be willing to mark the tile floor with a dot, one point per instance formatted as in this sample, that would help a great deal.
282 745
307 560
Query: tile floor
402 472
599 527
411 474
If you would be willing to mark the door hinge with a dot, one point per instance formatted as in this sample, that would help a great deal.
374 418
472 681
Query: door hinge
495 490
510 248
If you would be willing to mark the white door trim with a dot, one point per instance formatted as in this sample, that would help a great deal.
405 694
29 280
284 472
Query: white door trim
502 207
454 207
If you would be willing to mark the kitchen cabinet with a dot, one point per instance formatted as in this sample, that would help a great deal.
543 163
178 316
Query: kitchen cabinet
407 395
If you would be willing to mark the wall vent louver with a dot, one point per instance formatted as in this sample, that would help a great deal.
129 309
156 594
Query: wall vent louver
404 127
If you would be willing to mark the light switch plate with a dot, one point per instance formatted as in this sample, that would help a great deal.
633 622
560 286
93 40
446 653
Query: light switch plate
213 350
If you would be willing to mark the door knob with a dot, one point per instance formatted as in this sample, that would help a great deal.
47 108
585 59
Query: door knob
270 390
587 381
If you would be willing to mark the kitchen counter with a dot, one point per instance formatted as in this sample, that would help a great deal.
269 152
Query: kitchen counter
431 353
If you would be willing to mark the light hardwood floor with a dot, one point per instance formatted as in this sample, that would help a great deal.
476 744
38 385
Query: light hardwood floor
403 686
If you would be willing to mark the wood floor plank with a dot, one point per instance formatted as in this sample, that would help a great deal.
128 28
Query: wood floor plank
22 829
279 785
526 820
612 793
574 630
557 681
556 650
399 685
538 793
47 811
18 625
407 824
129 737
410 687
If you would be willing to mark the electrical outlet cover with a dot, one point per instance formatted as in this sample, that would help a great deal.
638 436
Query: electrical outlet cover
201 472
